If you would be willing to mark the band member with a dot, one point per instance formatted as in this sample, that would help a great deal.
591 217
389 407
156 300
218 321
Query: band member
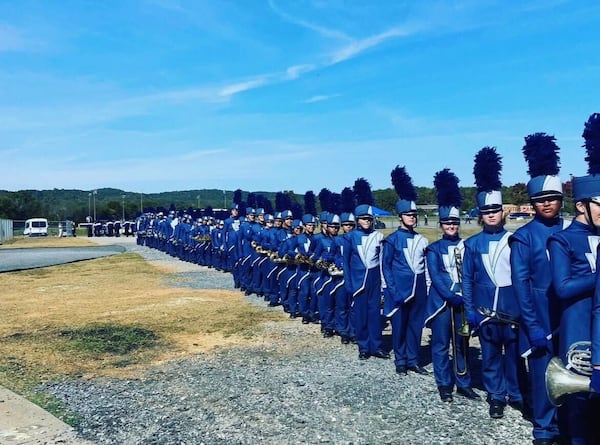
344 312
305 247
403 269
487 286
231 226
275 237
595 379
324 253
288 280
247 253
573 265
532 279
362 278
445 311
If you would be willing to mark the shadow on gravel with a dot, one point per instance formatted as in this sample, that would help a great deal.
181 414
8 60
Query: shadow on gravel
21 259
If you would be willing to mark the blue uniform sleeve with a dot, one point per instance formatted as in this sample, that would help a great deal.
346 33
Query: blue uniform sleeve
387 260
596 324
566 285
467 280
440 280
346 247
521 280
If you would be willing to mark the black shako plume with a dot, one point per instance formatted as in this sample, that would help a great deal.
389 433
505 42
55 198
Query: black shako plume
487 168
541 154
403 184
591 134
447 190
362 192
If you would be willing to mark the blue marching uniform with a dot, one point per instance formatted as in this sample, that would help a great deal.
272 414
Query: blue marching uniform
532 280
343 311
487 284
573 264
324 285
443 301
405 292
362 279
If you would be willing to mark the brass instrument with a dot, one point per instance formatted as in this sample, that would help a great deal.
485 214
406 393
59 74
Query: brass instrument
330 267
501 317
561 381
464 331
285 259
335 271
321 264
303 259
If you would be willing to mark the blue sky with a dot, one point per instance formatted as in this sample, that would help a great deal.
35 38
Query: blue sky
162 95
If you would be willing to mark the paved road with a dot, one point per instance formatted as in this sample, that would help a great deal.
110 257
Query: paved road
31 258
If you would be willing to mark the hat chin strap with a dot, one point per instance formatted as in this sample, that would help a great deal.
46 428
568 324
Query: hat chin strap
588 215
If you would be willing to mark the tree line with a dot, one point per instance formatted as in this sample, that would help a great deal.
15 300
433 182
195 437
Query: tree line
115 204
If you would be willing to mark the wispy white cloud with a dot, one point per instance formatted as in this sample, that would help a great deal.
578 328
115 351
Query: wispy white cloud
323 31
319 98
293 72
236 88
359 46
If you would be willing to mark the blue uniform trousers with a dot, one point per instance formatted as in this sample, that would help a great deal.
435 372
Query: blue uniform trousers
544 413
407 327
367 307
306 294
443 367
343 303
500 370
273 282
288 290
255 274
326 303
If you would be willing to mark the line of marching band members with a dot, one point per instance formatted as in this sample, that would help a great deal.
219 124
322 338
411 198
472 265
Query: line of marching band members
528 296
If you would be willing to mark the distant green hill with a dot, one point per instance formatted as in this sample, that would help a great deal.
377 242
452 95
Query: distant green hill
110 203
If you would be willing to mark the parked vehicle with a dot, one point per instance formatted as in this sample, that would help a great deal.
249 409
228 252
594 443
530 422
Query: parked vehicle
36 227
519 215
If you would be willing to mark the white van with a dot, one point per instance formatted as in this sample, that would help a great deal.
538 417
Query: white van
36 227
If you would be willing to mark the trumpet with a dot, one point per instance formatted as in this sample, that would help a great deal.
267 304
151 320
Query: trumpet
501 317
463 331
573 378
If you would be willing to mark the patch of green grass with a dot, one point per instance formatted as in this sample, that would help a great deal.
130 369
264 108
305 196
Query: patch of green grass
25 379
55 407
110 339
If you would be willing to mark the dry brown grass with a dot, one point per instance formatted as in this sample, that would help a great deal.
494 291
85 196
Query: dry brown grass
39 306
46 241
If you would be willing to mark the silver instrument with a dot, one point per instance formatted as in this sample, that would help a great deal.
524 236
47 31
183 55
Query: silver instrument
463 331
574 377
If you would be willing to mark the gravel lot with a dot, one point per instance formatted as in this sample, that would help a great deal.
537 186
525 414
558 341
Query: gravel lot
294 388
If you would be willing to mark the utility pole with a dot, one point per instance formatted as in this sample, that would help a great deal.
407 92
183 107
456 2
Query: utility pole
95 192
123 218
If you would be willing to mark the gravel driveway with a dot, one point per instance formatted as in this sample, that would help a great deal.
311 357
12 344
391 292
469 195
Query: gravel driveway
295 388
